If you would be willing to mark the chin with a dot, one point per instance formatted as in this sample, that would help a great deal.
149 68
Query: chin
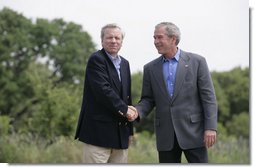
160 52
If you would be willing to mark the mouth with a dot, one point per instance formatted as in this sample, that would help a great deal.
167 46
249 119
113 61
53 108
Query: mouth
158 47
114 47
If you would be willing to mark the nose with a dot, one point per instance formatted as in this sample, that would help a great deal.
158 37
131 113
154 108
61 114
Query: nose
113 40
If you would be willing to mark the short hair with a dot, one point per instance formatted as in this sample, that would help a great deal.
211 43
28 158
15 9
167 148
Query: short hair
172 30
110 26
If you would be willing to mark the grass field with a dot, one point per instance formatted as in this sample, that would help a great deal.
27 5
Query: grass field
65 150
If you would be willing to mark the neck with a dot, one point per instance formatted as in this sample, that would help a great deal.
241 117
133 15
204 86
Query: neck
171 53
111 54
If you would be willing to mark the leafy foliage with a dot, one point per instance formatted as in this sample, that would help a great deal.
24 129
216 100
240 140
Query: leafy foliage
42 71
239 125
235 85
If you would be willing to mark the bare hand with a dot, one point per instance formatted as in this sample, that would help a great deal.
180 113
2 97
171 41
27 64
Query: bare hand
209 138
132 113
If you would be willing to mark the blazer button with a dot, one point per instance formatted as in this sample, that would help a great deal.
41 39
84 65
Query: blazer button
125 123
119 123
128 97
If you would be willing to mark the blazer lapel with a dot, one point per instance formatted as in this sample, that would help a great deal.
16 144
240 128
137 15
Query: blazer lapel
124 76
180 73
113 72
115 78
158 76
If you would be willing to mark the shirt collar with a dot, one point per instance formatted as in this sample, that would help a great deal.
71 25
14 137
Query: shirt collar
176 56
113 58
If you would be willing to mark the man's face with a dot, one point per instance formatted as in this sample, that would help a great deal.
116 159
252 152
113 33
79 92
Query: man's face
112 40
162 41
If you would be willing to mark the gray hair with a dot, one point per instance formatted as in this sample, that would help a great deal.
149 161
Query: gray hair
172 30
110 26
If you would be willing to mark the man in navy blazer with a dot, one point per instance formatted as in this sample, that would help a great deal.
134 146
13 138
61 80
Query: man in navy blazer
103 125
179 85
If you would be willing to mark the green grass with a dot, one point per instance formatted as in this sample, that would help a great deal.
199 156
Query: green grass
143 149
65 150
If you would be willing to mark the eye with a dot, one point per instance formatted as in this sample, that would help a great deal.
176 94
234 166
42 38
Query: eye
109 37
158 37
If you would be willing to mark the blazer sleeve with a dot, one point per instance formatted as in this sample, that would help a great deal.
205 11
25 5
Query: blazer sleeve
146 103
207 96
99 81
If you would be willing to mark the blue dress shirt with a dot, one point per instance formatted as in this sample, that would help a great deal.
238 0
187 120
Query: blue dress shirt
169 72
116 61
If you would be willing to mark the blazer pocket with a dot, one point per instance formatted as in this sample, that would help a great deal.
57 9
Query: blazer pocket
196 118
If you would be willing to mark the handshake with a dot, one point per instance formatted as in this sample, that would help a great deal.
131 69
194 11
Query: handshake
132 113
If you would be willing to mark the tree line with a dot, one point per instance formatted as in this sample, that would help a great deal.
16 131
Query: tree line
42 66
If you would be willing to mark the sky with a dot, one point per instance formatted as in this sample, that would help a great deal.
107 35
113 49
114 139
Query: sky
215 29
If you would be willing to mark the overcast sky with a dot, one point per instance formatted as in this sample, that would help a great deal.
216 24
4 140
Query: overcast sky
216 29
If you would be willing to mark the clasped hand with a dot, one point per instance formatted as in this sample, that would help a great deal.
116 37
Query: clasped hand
132 113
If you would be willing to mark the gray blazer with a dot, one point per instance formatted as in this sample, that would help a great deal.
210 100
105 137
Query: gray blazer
191 110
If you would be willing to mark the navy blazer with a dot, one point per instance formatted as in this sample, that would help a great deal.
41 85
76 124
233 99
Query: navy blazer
104 96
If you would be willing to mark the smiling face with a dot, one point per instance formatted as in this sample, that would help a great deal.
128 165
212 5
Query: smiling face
166 45
112 40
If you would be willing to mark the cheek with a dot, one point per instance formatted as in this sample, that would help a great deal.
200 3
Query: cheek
120 43
104 43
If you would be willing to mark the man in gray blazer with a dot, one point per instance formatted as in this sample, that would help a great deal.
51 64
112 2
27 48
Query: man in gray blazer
179 85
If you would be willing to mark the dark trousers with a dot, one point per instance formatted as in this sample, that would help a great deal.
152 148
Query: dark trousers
196 155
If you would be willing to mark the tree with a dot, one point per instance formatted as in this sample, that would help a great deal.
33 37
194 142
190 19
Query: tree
14 58
239 125
136 86
57 112
31 87
66 47
223 102
232 90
